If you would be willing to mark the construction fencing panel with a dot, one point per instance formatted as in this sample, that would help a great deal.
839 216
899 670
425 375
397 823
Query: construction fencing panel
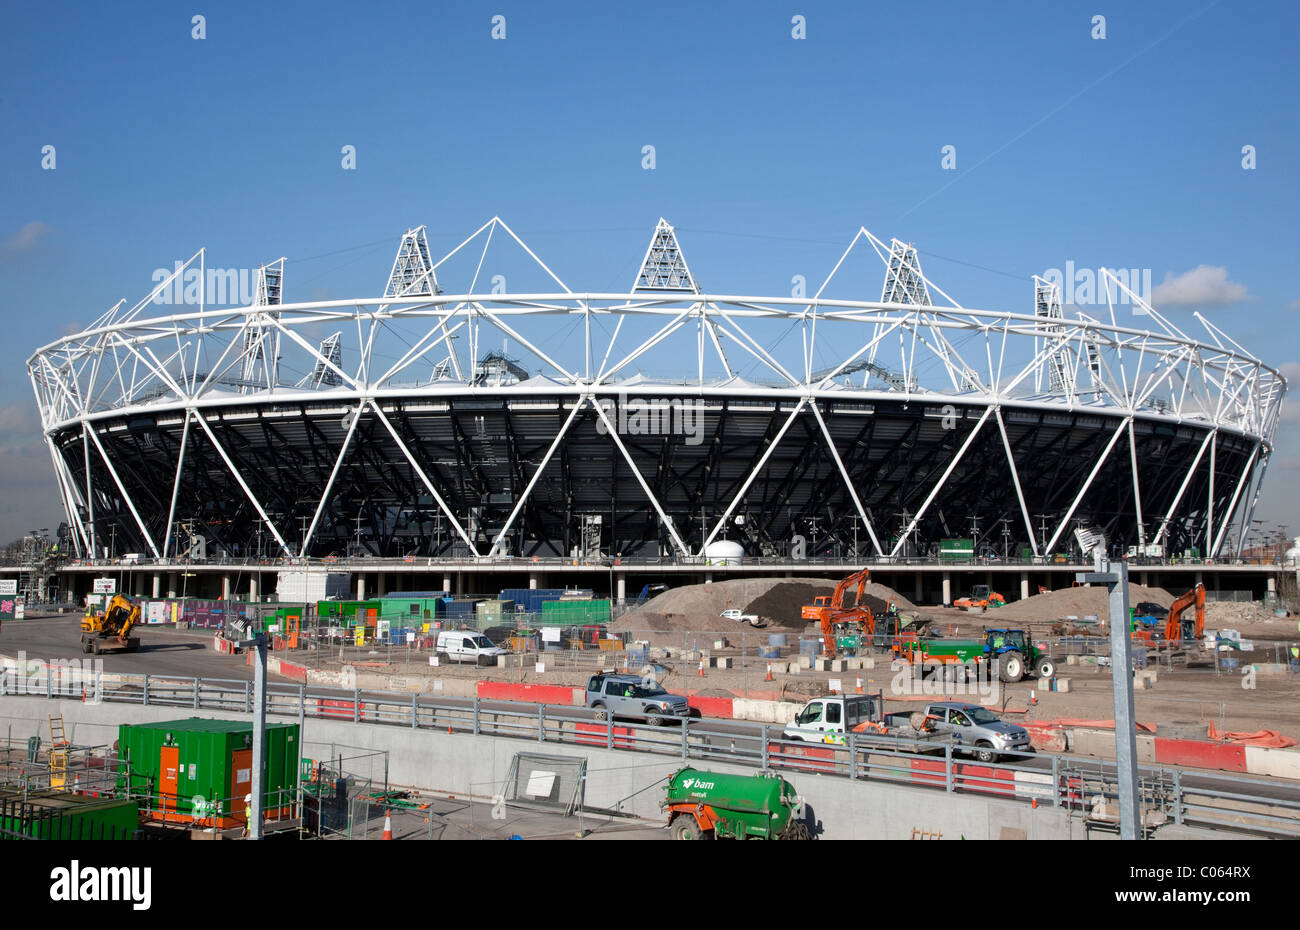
552 783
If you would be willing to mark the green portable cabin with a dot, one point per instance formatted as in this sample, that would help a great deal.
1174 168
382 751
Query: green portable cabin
200 771
348 613
59 815
409 611
575 613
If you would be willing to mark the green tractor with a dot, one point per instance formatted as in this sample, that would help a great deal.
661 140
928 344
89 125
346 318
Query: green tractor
1018 658
711 805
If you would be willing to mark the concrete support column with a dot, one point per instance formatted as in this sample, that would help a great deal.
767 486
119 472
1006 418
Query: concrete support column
157 584
381 585
446 584
1024 585
225 587
947 587
622 587
1272 586
532 581
171 584
252 586
361 586
708 577
919 590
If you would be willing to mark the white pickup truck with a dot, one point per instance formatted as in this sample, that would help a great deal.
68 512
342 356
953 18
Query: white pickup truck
741 617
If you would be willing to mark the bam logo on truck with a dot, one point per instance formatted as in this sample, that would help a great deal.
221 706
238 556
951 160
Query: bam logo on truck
702 785
103 884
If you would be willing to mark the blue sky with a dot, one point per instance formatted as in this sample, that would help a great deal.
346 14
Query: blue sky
770 153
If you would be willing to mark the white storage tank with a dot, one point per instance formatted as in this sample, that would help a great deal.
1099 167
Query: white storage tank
724 552
1292 555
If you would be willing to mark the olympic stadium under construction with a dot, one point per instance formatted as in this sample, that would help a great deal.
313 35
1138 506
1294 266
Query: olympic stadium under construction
655 422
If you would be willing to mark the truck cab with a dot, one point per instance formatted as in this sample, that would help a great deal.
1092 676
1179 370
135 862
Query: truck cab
829 719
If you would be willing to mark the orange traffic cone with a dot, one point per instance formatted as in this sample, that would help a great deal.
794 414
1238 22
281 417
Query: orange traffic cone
700 674
859 688
388 826
769 672
1033 696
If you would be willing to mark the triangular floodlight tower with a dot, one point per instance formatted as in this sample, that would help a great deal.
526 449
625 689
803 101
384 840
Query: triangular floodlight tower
1048 310
258 330
664 266
329 352
905 283
413 275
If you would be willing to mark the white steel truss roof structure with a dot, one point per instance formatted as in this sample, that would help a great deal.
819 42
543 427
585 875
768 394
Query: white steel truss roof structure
202 364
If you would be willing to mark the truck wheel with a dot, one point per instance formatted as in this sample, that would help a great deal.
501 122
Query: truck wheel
1046 667
601 713
1013 666
984 753
684 827
795 830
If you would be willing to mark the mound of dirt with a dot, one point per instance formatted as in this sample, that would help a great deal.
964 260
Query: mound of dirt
697 608
1075 602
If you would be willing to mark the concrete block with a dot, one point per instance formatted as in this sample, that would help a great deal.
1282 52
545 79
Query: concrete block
1044 684
837 665
780 668
719 644
805 661
868 662
797 667
1071 660
1141 684
853 663
1063 685
820 665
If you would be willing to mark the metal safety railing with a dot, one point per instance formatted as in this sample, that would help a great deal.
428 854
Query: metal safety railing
1079 785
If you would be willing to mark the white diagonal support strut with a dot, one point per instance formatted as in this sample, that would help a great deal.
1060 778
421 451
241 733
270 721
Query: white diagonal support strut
424 478
176 484
1232 504
130 505
636 473
744 488
329 485
1137 491
943 479
239 479
1015 480
1096 469
1187 479
848 483
546 459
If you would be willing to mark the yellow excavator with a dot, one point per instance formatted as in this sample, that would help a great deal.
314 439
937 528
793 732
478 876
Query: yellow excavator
112 628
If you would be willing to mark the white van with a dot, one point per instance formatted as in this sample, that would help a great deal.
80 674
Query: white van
467 646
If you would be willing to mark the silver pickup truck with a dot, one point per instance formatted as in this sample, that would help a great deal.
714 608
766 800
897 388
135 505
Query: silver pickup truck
977 727
630 696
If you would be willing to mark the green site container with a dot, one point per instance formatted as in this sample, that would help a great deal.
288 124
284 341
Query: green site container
346 613
417 610
200 770
762 806
60 815
575 613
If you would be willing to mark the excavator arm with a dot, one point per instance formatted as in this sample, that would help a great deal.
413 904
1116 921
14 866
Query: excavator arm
1174 620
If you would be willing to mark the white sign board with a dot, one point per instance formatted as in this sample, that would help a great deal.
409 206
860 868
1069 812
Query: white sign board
105 586
9 586
410 638
550 634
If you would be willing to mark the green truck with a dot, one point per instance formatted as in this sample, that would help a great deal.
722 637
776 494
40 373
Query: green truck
713 805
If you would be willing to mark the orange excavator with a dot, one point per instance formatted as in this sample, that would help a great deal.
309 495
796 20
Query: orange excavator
1177 629
829 611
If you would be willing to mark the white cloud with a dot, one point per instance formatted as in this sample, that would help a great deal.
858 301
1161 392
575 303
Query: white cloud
1203 286
24 239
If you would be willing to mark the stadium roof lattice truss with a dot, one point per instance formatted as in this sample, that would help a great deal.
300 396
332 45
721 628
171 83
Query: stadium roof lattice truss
883 427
